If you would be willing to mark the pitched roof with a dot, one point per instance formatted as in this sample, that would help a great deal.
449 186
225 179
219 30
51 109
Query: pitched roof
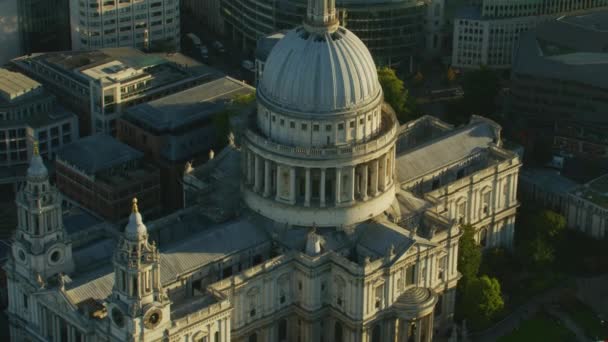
201 249
445 150
378 237
97 153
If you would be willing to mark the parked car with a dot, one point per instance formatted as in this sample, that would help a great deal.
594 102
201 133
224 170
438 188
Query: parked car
248 65
218 46
204 52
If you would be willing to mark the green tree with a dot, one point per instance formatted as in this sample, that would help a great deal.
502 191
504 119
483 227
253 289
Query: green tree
539 252
549 224
396 95
469 254
482 301
540 237
480 90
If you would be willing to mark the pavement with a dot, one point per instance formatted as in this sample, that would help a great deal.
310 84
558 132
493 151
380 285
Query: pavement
565 319
521 314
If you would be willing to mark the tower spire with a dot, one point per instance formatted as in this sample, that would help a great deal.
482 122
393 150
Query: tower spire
36 150
135 209
321 16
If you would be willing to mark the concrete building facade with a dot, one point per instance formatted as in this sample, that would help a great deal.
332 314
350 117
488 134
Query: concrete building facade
142 24
344 234
395 32
29 114
99 85
487 33
554 91
102 175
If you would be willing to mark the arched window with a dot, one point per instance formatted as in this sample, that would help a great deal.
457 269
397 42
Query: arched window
338 332
483 236
283 330
376 333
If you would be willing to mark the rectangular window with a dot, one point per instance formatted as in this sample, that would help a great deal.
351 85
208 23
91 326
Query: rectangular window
379 295
340 126
486 202
410 273
282 122
441 267
352 124
328 128
315 128
292 124
304 127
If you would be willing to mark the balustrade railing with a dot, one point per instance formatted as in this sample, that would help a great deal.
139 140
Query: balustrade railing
353 149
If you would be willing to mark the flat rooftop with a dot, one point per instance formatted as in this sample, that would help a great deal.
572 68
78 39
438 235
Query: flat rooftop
189 106
571 48
595 21
117 63
596 191
548 179
96 153
14 85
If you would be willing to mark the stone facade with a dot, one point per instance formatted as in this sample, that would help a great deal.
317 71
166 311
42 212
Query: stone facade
351 238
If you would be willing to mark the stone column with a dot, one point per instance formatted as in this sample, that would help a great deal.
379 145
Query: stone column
308 189
322 189
292 185
364 178
351 184
249 163
374 182
382 173
257 185
279 183
267 175
338 187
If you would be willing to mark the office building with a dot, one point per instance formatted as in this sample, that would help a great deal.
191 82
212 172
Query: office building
487 33
181 128
101 174
556 90
395 32
29 113
99 84
151 25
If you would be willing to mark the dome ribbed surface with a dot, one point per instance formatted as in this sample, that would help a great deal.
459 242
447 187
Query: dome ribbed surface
36 168
415 296
319 72
136 229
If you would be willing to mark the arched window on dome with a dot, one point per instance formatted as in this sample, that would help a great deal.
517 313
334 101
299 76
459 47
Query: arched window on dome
377 333
338 334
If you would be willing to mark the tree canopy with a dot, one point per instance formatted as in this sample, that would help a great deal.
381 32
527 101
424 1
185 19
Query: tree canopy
469 254
396 95
482 300
541 234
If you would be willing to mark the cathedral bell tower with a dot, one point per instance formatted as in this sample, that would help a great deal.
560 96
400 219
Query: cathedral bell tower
139 308
41 246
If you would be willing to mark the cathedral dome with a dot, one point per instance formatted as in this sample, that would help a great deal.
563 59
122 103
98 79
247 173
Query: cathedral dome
320 71
36 168
135 229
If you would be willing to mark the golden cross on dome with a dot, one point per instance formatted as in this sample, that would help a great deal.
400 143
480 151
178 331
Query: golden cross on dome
135 209
36 150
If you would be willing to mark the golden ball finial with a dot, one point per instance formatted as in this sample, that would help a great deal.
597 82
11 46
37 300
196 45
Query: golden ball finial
135 209
36 150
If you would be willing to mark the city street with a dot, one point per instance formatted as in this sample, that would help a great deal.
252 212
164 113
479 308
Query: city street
229 62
